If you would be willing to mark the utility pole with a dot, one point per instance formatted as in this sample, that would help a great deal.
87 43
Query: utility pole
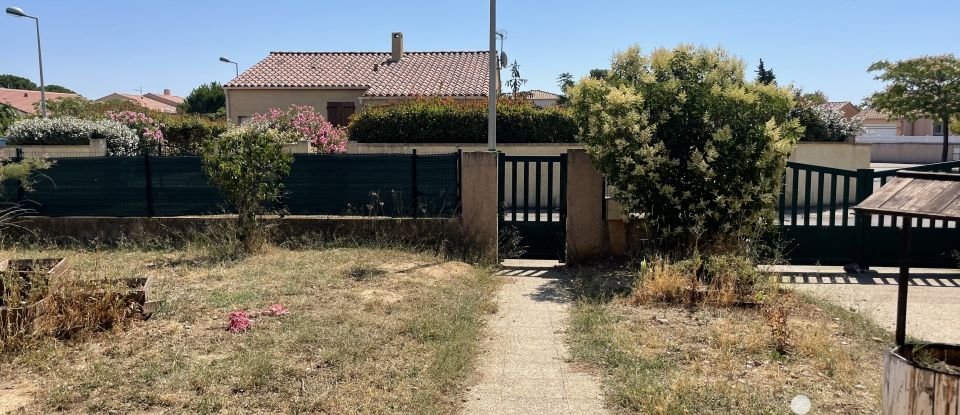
492 91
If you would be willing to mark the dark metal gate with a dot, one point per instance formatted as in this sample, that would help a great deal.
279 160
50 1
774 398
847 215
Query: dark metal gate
533 204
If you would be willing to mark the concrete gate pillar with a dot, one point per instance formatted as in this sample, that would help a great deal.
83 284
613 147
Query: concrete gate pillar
480 200
586 229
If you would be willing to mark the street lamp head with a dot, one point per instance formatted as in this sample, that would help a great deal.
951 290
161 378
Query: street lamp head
224 59
16 11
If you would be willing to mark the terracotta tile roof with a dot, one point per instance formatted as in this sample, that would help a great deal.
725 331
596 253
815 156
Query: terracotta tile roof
835 105
23 100
417 73
165 98
143 101
539 94
872 114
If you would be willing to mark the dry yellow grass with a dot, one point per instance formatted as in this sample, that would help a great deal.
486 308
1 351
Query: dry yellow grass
665 359
398 340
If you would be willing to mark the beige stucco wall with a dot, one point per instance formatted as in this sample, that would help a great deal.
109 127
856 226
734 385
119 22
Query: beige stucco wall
479 205
246 102
586 229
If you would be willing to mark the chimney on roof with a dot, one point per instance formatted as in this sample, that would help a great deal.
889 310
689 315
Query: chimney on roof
397 52
166 91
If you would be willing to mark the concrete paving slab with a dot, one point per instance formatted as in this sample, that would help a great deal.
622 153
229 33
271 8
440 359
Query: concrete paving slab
522 369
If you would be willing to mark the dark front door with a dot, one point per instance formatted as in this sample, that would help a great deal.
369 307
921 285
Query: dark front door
533 205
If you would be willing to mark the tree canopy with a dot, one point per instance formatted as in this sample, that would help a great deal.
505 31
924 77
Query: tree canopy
765 76
58 88
925 87
17 82
682 137
205 99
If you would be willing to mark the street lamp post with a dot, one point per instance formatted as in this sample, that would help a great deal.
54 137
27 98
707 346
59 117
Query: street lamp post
18 12
236 67
493 81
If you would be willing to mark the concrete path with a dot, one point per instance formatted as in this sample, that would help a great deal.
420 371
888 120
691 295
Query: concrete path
933 300
524 368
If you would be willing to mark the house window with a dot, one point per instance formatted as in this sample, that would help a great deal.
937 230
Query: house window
338 113
937 128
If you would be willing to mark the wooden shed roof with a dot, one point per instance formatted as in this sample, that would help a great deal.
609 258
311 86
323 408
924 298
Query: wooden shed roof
917 194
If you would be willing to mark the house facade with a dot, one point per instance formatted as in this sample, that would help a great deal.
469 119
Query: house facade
337 84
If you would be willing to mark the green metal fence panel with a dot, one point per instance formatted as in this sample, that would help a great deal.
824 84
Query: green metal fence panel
367 185
180 187
91 186
808 237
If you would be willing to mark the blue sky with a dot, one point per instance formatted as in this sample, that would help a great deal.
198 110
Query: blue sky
99 46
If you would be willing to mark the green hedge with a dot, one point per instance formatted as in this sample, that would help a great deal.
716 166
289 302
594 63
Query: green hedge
186 133
439 121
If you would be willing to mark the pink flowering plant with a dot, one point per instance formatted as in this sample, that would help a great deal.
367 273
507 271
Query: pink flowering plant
305 123
148 129
239 322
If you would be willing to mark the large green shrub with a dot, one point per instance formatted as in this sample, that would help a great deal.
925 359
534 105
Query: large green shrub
121 140
248 165
7 116
447 121
186 133
686 140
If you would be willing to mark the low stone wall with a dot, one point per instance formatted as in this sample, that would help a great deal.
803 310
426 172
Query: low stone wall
290 229
847 156
96 148
520 149
910 149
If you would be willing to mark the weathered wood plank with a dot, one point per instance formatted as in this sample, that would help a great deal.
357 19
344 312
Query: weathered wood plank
924 392
903 195
946 198
947 394
886 192
897 384
924 195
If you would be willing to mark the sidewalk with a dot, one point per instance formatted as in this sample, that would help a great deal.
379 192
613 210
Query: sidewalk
524 368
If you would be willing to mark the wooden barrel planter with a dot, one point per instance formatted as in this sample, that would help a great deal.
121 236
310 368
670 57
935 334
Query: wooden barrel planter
23 290
918 379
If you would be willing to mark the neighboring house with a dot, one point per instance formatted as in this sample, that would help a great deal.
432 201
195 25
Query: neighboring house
165 102
542 99
339 83
28 102
876 123
846 107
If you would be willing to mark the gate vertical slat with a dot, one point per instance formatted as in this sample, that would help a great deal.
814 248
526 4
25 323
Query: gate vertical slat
846 200
807 178
538 190
549 191
833 200
513 191
881 218
796 187
820 198
526 191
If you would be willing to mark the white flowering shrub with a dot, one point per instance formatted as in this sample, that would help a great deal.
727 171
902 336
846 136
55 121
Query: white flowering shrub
121 140
822 123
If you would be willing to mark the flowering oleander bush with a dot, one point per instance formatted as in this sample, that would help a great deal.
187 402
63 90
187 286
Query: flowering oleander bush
822 123
146 127
121 140
306 124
